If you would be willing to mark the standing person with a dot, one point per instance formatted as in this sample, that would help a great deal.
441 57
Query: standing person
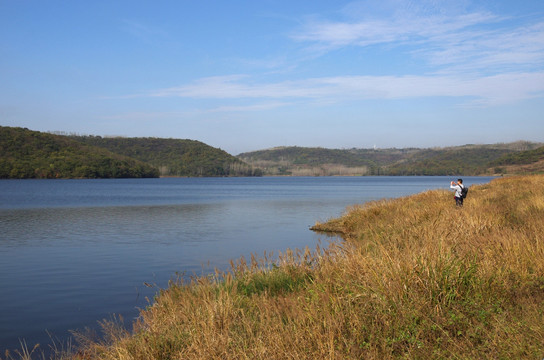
458 187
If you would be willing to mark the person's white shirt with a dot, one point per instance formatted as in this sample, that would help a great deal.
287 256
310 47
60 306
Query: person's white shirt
458 189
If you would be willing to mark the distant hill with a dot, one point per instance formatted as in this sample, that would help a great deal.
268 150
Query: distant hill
460 160
174 157
31 154
523 162
309 161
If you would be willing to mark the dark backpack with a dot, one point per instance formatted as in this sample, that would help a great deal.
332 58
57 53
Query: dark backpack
464 191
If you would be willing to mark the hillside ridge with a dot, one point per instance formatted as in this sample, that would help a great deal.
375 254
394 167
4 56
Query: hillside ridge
470 159
175 157
32 154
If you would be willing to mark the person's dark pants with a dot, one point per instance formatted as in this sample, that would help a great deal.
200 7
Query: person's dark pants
458 201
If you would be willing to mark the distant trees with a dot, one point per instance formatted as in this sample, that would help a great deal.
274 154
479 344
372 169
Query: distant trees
521 157
31 154
466 160
175 157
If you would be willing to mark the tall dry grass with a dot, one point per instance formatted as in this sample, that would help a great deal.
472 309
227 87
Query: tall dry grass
416 278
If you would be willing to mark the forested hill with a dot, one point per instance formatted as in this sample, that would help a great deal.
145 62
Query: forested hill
32 154
523 162
174 157
460 160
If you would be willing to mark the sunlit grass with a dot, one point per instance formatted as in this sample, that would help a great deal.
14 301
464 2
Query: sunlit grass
416 278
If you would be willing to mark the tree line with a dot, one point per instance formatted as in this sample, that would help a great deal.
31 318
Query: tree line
175 157
31 154
460 160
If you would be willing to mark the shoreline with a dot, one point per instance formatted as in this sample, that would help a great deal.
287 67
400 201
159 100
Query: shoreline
409 228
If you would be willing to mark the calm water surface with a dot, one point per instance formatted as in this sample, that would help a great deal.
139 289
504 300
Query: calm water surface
73 252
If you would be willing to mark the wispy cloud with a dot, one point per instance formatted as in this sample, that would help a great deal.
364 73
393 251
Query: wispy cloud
143 116
241 86
152 116
479 57
402 29
468 40
486 90
495 50
249 108
142 31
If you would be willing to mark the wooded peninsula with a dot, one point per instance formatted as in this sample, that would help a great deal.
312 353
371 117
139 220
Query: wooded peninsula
32 154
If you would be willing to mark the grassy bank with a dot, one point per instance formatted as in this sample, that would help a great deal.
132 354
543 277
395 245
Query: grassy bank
416 278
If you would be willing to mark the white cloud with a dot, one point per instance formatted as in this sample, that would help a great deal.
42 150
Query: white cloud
486 90
249 108
444 39
142 116
402 28
495 50
231 87
481 58
144 32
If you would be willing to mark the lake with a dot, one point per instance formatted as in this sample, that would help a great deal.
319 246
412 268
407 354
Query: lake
74 252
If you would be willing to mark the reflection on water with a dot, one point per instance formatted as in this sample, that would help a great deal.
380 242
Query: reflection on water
112 225
75 252
87 263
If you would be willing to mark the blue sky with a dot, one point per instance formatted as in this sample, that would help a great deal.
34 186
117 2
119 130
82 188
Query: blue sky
250 75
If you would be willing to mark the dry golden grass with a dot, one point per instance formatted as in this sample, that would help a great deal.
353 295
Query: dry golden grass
416 278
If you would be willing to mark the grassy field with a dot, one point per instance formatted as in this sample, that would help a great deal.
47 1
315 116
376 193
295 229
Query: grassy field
415 278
